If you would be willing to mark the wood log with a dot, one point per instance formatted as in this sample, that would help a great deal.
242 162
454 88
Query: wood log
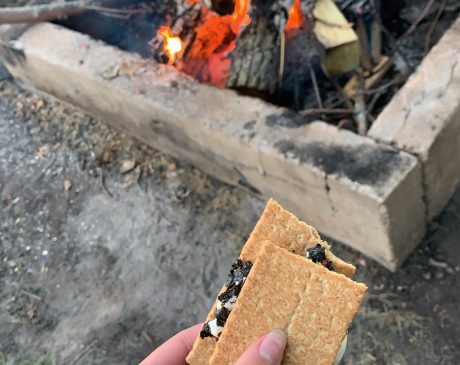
255 61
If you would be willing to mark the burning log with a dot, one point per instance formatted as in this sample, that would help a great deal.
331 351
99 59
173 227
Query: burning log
240 49
256 58
249 44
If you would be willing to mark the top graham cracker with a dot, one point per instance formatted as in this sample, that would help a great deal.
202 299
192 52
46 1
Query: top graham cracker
314 310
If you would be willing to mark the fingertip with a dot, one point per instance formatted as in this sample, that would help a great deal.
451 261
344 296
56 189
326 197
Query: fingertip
272 346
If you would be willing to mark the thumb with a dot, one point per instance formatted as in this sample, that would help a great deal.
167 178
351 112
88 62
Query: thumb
267 350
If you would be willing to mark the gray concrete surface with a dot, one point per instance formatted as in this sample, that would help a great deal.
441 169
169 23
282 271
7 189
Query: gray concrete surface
424 119
96 275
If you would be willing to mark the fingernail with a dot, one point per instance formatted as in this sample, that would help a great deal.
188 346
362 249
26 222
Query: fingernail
272 347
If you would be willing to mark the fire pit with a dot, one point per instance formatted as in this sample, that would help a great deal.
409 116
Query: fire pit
374 192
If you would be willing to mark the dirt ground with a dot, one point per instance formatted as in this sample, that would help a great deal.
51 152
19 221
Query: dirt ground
100 266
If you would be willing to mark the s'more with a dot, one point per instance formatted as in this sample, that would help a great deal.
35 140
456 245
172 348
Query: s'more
286 277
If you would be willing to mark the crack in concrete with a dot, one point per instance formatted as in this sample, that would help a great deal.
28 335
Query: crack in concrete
327 188
451 74
422 168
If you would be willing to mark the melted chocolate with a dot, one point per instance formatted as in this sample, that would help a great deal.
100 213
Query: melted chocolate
239 272
236 278
316 254
221 316
205 331
228 294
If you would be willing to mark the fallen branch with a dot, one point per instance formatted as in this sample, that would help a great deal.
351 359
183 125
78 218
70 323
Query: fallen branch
425 11
433 26
360 105
60 10
340 111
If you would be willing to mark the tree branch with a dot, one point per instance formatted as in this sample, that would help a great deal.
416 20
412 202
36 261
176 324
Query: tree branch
57 10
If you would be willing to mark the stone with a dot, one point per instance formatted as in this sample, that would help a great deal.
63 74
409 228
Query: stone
424 120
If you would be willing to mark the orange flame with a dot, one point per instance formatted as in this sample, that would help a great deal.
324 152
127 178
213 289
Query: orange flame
214 38
172 43
295 19
240 13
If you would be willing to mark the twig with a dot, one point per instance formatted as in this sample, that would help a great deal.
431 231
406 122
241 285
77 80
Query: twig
30 295
433 26
107 10
315 86
340 111
47 12
395 47
366 60
371 104
345 97
336 103
109 194
343 123
381 88
83 353
282 55
360 105
147 337
419 18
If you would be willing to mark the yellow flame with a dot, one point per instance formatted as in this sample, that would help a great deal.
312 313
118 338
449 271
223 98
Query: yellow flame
172 43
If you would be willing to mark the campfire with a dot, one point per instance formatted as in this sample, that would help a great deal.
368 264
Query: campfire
339 61
281 50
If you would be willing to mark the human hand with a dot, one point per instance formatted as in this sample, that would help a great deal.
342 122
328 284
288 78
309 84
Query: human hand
267 350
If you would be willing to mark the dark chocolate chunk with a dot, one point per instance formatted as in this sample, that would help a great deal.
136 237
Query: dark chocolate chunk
316 254
238 272
221 316
330 266
206 331
235 281
230 293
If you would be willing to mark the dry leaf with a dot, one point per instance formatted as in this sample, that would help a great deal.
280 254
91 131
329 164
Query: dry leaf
110 73
172 167
67 185
31 310
128 181
127 165
108 156
129 69
43 151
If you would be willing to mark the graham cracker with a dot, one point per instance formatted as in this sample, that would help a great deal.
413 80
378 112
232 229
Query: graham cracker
285 230
315 309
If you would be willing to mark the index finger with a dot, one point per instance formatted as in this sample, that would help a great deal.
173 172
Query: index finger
175 350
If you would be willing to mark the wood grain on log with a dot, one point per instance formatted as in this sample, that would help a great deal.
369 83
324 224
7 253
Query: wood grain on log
256 58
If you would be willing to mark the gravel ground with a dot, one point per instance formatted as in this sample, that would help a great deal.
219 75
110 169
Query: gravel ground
108 247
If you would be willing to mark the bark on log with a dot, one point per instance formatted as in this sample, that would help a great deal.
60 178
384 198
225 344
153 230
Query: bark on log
256 58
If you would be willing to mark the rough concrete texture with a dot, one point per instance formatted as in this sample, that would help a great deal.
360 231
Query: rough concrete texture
92 278
138 264
424 119
241 140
